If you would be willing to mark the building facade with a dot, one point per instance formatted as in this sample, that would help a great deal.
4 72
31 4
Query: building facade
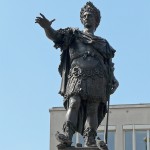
129 127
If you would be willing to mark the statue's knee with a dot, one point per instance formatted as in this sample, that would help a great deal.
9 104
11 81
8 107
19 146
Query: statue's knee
74 103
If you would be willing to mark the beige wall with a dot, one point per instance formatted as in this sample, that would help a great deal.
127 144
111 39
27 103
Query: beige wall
120 115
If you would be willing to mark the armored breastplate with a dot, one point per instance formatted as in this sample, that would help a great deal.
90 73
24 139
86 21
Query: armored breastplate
85 60
86 64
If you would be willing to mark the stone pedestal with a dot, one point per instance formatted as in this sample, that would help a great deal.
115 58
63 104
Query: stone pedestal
80 148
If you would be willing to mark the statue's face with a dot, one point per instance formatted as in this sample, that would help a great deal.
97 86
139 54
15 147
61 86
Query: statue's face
88 19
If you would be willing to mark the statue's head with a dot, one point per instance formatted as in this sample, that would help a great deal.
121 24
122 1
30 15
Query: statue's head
92 10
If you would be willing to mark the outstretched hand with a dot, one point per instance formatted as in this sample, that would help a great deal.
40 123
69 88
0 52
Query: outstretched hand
43 21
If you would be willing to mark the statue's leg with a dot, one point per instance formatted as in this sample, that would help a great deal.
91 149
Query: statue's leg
91 124
92 111
72 116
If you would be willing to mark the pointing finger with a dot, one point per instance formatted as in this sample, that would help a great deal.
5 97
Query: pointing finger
52 20
42 15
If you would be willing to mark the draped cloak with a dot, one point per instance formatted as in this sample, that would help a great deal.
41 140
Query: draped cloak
101 45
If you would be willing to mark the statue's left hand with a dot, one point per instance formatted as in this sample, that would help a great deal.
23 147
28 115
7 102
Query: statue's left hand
114 86
43 21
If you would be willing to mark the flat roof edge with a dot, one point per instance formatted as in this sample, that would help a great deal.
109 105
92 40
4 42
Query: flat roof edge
116 106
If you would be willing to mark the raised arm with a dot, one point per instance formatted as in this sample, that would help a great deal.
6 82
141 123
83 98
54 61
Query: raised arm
46 25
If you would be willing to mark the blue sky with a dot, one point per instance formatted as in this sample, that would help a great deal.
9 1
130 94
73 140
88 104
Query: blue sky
29 79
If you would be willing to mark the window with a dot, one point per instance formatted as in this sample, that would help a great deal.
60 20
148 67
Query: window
111 135
74 140
140 140
77 138
100 134
128 140
111 138
137 137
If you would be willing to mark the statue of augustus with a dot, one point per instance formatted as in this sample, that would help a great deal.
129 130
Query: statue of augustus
87 73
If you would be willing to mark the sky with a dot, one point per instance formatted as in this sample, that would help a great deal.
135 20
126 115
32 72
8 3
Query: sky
29 78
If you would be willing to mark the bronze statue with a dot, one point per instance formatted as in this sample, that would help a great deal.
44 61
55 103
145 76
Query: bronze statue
87 74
